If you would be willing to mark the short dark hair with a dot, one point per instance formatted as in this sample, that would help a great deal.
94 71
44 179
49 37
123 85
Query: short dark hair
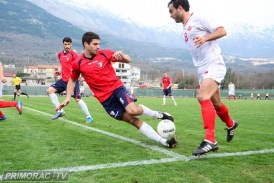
183 3
89 36
67 39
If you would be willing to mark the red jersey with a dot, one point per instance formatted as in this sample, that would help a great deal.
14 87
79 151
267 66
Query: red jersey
66 60
166 82
98 73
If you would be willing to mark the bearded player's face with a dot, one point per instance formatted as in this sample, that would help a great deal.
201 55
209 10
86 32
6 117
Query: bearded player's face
67 46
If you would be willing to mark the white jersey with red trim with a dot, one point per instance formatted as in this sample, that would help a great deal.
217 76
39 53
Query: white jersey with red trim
231 87
207 52
1 88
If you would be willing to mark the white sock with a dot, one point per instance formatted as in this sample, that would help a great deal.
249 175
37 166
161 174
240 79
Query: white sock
84 107
149 112
152 134
54 99
173 99
164 100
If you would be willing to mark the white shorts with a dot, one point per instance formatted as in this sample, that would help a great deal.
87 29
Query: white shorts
213 70
1 88
231 92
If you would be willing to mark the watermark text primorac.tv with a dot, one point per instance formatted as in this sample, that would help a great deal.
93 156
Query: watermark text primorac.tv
39 175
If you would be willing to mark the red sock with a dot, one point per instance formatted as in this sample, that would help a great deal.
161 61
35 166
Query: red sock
234 97
209 116
4 104
222 112
1 114
228 97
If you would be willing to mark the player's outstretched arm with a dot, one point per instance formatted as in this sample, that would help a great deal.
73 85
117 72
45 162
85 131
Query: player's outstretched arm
70 89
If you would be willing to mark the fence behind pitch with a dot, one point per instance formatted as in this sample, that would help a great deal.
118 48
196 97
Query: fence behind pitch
41 90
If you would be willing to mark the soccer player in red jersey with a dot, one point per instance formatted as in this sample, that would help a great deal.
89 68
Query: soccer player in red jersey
200 35
4 104
96 67
166 81
66 57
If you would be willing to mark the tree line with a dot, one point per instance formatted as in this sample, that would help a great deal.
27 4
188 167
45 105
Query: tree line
241 80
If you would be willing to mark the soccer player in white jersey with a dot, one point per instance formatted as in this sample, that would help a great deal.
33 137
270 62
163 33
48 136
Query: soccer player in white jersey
200 36
231 91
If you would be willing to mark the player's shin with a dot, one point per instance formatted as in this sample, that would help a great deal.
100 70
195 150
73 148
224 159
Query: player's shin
223 114
54 99
148 131
209 117
84 107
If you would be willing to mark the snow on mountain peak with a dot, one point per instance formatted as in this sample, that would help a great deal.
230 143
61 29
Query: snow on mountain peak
242 38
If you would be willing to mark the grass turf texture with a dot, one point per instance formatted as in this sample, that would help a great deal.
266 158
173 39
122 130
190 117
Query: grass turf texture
35 142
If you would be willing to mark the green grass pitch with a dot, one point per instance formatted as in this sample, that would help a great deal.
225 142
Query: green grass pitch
112 151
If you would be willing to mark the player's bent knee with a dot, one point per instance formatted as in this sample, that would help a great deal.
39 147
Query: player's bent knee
201 98
134 111
51 90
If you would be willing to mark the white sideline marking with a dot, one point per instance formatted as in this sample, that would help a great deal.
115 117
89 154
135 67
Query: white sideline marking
175 156
116 165
155 148
221 155
153 161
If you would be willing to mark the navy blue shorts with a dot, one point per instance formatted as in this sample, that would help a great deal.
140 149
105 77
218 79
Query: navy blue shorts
115 105
167 92
61 86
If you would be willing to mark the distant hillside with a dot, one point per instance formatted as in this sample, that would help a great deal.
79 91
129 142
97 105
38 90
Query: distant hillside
22 17
243 39
29 35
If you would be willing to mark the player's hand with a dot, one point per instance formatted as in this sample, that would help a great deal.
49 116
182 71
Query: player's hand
57 73
118 55
3 79
198 41
62 105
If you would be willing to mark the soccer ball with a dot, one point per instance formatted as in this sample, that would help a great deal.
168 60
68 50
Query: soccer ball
166 128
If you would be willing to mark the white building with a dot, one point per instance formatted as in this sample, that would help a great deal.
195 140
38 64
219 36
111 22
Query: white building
10 66
135 73
123 72
41 73
127 73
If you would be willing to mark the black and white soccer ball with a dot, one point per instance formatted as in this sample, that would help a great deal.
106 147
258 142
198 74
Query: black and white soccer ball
166 128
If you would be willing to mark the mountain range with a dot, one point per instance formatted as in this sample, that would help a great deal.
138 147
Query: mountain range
239 42
32 30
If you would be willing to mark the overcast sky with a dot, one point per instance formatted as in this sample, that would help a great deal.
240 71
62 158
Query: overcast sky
155 12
